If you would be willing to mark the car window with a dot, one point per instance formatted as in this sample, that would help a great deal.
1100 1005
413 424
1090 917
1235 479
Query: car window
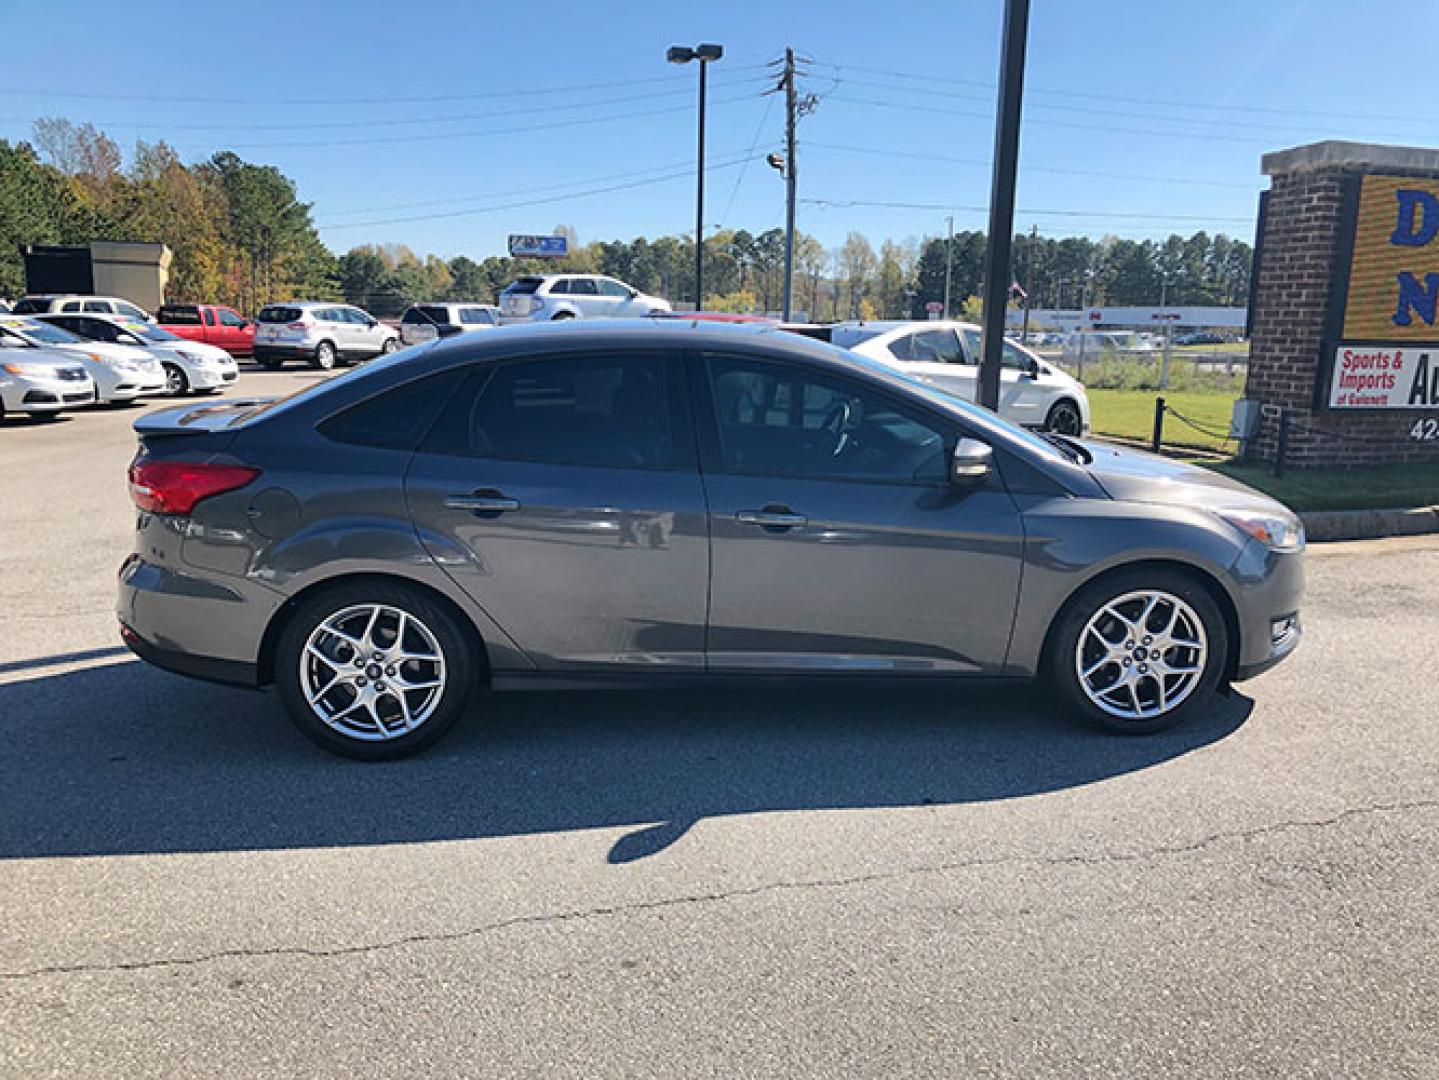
101 306
334 315
1012 357
28 307
562 287
209 317
179 316
70 305
229 318
612 288
936 347
601 411
778 419
477 316
583 287
398 418
130 311
278 313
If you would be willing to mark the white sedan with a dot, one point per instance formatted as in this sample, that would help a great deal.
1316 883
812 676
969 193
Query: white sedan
121 372
946 354
189 365
41 383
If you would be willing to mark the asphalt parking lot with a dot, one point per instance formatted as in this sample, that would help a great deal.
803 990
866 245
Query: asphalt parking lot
780 883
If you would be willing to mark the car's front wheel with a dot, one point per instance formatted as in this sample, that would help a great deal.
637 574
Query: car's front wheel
175 381
389 346
1140 651
325 356
373 670
1064 418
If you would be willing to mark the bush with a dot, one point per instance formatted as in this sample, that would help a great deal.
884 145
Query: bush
1134 374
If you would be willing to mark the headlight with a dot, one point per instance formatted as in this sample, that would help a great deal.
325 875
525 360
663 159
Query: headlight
194 358
1280 532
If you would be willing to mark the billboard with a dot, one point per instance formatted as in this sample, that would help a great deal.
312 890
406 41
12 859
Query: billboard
1383 342
539 247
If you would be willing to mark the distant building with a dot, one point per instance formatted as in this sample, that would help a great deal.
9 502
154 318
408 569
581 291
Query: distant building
136 271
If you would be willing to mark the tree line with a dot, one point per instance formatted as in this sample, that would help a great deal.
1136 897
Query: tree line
240 235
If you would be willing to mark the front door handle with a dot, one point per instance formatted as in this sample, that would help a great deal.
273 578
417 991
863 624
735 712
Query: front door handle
482 502
771 518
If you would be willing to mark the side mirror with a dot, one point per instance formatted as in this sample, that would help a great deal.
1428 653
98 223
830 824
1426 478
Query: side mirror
634 294
1031 367
971 463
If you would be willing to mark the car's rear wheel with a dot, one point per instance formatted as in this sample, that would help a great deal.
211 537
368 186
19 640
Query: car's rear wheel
325 356
373 670
175 381
1140 651
1064 418
389 346
559 315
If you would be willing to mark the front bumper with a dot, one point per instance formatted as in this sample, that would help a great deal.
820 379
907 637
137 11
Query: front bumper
1271 592
212 378
25 395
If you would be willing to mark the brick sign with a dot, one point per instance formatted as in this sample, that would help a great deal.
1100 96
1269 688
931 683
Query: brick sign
1384 353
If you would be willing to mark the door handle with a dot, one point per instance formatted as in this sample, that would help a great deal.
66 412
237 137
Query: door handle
482 502
771 518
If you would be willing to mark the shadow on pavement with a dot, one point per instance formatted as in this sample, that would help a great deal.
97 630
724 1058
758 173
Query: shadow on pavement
123 758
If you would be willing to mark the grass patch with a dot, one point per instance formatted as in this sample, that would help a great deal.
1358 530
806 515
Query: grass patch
1129 414
1362 487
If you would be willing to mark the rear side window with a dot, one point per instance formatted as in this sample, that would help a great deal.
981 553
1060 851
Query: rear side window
130 311
398 418
71 305
101 307
526 285
180 316
30 307
435 313
613 288
477 316
278 313
602 411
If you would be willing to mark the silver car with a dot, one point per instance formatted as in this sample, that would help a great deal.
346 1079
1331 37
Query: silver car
321 334
654 500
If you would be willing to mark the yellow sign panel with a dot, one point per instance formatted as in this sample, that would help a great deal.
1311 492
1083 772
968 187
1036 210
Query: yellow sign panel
1394 274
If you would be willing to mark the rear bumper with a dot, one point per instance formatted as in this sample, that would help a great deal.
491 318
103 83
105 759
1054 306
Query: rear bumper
284 352
227 672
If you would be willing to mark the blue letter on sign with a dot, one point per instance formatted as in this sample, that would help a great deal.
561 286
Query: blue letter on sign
1418 221
1419 297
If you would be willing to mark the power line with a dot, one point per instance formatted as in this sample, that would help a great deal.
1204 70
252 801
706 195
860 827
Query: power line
397 122
680 174
754 144
1099 215
979 162
729 158
440 137
1323 114
188 99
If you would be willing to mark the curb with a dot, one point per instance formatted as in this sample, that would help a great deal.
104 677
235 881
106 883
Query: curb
1322 525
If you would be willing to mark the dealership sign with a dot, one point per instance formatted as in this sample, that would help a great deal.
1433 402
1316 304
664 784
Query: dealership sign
539 247
1383 350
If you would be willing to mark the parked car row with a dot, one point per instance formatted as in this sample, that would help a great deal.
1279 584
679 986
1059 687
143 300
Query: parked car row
53 362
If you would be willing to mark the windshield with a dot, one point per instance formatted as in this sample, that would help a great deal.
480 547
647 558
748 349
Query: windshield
43 333
150 332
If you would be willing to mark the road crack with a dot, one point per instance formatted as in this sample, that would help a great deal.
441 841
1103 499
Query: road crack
610 911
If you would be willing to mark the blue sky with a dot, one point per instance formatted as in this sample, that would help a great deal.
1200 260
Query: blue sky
433 126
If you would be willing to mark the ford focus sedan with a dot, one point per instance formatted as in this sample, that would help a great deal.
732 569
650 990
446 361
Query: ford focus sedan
646 500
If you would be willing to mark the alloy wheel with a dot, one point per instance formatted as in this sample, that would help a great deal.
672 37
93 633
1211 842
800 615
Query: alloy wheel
372 672
1141 655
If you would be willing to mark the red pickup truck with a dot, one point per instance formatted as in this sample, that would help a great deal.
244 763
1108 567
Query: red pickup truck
210 323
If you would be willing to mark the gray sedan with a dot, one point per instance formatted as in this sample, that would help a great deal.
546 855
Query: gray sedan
602 503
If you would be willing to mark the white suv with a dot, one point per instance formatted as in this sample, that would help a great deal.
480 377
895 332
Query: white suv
72 303
574 296
321 333
946 354
427 321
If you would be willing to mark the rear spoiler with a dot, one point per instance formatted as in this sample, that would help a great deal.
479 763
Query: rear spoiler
198 419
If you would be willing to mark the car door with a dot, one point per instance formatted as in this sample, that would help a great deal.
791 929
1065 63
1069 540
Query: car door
838 543
617 299
1023 397
234 334
935 356
562 493
586 296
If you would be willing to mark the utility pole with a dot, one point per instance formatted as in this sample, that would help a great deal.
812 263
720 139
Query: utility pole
1029 273
791 170
948 261
1001 198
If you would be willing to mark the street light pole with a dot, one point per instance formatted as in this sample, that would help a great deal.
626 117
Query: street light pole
948 261
683 54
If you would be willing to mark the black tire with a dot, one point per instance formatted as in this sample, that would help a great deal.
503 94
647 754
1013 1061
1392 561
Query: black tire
176 384
456 647
1062 664
390 345
1064 418
560 315
325 356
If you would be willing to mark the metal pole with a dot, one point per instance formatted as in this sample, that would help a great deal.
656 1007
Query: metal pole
791 164
1281 448
1163 299
700 202
1158 439
1029 286
1001 198
948 261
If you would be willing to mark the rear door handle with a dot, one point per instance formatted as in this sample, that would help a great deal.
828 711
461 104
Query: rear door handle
771 519
482 502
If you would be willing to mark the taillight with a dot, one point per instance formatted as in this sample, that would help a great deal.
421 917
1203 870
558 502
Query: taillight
174 487
301 325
